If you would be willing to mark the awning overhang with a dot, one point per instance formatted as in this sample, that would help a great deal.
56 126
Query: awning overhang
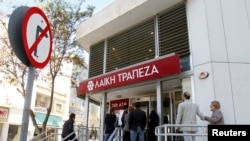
152 69
55 121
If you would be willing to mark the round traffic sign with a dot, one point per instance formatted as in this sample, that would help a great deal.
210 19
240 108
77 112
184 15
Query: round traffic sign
15 33
37 37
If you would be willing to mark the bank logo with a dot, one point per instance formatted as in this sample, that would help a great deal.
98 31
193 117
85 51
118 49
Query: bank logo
90 85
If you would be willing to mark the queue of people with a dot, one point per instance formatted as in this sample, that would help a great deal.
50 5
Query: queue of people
132 120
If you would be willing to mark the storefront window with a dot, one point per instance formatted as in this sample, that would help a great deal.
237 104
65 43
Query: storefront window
94 115
14 133
172 96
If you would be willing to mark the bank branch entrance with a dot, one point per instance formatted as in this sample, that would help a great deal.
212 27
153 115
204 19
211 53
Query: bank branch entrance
156 84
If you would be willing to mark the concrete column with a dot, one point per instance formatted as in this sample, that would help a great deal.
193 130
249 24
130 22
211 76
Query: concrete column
86 105
103 113
159 100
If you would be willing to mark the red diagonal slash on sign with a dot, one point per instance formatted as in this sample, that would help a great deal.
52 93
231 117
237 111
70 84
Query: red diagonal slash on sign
31 21
38 40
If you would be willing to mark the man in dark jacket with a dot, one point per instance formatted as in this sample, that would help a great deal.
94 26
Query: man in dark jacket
68 128
110 120
153 121
137 123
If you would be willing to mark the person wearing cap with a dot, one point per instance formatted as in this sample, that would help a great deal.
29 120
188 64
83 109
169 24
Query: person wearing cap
186 115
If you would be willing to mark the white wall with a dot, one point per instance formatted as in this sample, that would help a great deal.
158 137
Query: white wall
220 44
241 87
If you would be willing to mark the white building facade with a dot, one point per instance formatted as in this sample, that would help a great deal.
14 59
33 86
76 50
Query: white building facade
211 38
11 107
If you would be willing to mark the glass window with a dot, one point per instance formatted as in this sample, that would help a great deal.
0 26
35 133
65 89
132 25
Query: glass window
132 46
59 107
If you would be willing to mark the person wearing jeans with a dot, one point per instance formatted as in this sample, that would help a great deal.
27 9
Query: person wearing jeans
110 120
134 134
137 123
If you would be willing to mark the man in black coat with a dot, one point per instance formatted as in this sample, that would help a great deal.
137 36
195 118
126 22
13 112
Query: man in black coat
110 120
137 123
153 121
68 128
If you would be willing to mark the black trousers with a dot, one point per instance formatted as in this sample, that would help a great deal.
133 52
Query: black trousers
126 136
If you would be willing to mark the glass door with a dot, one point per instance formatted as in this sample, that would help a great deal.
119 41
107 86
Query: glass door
172 96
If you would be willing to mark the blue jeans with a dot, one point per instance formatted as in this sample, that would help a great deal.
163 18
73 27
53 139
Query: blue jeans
139 132
106 136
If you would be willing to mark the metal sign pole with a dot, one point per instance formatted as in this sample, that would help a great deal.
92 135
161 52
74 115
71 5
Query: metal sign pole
27 102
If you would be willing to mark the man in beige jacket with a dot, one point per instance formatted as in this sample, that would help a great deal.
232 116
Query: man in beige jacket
186 115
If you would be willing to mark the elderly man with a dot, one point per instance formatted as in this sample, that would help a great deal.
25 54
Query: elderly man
186 115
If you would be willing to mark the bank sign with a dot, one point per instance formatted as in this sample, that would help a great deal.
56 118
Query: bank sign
153 69
118 104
